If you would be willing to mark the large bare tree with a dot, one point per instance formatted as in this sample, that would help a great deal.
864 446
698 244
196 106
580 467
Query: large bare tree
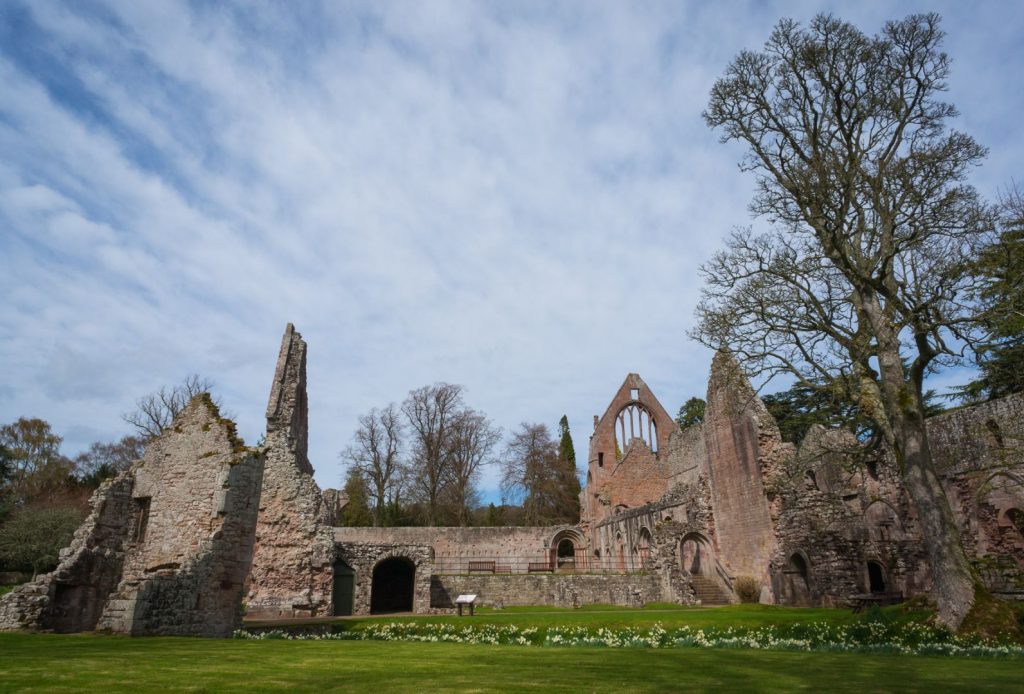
472 439
374 452
530 471
154 412
860 283
431 412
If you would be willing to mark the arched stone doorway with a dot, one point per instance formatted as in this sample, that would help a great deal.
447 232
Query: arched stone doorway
643 548
695 555
344 587
797 580
394 581
568 550
876 577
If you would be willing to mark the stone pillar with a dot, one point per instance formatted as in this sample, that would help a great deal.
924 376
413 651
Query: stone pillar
292 573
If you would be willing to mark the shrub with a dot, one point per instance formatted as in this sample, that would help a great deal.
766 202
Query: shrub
747 589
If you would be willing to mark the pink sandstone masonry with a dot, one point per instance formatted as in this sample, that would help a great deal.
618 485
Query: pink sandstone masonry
292 572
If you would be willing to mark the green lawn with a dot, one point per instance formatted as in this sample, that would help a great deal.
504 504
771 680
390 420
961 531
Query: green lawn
46 662
617 617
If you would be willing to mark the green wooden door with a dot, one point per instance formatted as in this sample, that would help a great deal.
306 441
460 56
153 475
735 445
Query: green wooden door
344 586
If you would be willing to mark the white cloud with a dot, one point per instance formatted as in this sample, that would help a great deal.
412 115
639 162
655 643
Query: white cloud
512 197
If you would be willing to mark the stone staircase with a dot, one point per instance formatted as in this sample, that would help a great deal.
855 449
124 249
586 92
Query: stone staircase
709 592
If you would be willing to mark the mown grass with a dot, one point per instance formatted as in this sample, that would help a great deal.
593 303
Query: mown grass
46 662
615 617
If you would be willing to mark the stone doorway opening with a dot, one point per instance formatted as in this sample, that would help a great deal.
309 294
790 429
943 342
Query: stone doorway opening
876 577
344 588
797 580
695 555
393 586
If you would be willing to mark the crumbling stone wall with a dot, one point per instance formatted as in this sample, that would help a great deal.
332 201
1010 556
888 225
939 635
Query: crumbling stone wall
626 474
556 590
168 543
197 495
744 449
72 597
291 571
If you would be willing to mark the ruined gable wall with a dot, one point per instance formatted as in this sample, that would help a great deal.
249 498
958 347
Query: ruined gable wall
184 571
72 597
979 453
291 571
744 448
612 479
838 512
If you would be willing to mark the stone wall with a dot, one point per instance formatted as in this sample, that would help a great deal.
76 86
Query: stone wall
630 472
364 558
167 545
73 596
291 573
556 590
196 494
744 448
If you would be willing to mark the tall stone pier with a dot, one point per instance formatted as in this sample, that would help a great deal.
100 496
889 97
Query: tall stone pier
292 573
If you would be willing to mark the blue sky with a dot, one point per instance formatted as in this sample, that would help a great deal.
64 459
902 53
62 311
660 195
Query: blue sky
511 196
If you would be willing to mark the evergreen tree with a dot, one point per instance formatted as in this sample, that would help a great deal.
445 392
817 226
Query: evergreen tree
570 510
356 513
691 412
1000 271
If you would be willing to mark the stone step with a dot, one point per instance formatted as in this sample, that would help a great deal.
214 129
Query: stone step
708 591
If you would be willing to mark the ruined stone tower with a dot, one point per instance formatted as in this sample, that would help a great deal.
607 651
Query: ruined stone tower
291 572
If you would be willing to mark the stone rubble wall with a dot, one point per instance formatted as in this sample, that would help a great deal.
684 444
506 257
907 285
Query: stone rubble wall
291 569
362 558
554 590
168 543
72 597
185 575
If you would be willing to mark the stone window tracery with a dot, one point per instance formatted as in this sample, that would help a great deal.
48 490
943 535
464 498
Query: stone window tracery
635 421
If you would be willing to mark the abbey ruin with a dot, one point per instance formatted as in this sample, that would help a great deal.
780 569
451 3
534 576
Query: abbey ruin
204 528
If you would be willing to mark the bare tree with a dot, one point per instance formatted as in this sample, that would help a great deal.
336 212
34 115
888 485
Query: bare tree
431 411
530 471
155 412
473 437
860 286
375 454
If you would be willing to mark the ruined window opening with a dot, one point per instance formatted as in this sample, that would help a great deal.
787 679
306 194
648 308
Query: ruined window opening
644 547
811 480
142 518
634 393
634 421
995 433
600 459
876 577
872 468
1016 518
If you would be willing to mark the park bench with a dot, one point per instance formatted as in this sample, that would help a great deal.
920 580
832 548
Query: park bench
481 567
860 602
502 568
540 566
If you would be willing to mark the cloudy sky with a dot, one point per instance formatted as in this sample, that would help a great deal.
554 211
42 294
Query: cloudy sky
511 196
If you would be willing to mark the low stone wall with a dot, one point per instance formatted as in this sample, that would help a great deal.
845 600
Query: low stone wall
556 590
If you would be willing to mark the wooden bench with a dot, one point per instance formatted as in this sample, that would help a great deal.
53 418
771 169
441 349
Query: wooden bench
540 566
502 568
881 599
486 567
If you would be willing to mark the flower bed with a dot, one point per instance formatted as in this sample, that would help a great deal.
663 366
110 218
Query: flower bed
909 638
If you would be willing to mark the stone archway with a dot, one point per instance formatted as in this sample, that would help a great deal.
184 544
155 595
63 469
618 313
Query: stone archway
876 577
394 582
797 580
695 555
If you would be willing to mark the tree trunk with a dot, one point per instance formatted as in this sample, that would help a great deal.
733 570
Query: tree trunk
952 578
